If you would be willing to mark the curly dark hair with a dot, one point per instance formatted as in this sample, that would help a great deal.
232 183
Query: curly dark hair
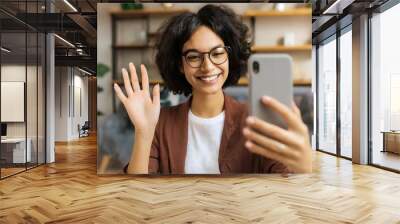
177 30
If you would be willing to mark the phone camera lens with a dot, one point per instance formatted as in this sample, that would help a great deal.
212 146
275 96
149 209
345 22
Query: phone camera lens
256 67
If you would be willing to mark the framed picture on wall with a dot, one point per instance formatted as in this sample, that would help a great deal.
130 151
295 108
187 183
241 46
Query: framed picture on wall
12 101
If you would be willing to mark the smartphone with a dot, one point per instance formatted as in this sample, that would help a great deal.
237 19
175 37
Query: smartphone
270 75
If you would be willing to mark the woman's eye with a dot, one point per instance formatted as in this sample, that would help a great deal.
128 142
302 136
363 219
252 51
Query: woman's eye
193 57
217 54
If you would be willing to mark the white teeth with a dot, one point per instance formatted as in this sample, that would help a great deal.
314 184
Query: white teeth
209 78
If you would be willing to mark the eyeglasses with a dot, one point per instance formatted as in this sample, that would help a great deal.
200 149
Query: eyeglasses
217 56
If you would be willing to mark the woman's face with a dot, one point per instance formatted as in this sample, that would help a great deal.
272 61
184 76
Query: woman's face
205 76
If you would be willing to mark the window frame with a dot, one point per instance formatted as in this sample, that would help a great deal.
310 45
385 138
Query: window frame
334 37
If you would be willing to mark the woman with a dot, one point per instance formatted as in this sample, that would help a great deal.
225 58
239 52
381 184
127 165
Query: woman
199 55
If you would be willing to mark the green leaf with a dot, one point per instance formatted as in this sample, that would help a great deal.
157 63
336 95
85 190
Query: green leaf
102 69
133 5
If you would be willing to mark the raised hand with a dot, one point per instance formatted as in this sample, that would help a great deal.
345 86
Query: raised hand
290 147
142 110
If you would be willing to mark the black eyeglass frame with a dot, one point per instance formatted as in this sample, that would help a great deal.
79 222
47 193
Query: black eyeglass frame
227 49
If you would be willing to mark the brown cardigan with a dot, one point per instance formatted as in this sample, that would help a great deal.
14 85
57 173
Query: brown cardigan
168 150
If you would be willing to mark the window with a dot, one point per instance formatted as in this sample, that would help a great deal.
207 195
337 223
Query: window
385 89
346 93
327 96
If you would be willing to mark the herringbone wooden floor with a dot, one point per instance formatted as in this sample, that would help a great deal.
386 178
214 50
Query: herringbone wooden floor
69 191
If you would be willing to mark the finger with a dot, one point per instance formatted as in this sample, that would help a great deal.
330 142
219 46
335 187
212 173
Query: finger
145 78
298 113
272 131
254 148
296 109
156 94
269 144
120 94
127 84
287 114
134 77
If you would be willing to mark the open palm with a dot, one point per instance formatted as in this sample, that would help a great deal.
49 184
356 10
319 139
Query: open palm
142 110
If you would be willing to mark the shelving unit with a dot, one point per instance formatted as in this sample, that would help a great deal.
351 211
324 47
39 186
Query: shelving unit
299 51
141 14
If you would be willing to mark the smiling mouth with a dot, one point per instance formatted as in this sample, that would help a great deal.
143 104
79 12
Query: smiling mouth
209 78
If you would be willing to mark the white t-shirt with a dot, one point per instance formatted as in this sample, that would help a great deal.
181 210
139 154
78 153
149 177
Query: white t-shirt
204 138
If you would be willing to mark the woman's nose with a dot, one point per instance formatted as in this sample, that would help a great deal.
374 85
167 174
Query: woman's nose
207 64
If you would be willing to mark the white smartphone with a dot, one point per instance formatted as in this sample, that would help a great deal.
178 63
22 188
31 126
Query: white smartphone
270 75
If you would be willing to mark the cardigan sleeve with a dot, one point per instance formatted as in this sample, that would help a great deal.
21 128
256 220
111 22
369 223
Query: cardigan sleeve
272 166
154 160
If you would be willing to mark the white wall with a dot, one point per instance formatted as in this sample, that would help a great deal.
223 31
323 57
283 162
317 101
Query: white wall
80 83
68 82
60 105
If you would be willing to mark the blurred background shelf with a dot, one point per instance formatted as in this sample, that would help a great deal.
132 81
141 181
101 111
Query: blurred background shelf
275 13
139 13
121 14
132 46
242 82
282 48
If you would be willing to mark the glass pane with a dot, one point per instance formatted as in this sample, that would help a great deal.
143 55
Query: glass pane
31 98
41 99
13 86
386 89
346 94
33 7
23 85
327 97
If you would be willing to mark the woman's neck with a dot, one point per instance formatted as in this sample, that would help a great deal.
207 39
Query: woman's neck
207 105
